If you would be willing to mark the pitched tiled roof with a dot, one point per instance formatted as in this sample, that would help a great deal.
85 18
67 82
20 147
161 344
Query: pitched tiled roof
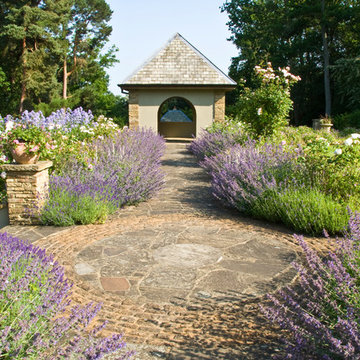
179 63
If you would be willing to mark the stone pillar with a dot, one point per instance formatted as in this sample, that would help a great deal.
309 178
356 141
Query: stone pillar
133 109
219 106
26 187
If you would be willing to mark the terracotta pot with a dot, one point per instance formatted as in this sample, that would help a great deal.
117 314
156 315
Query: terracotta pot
21 157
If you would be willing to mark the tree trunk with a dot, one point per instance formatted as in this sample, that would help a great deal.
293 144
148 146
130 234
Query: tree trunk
65 79
326 62
23 81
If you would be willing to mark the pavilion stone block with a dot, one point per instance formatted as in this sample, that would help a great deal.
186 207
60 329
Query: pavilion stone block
219 106
27 188
133 109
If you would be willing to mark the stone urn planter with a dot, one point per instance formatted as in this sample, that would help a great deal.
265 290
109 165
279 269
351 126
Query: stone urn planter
21 157
326 127
320 124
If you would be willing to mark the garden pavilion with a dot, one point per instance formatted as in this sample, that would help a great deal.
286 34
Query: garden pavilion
177 92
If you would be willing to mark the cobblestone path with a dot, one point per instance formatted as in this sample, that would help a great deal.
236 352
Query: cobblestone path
180 275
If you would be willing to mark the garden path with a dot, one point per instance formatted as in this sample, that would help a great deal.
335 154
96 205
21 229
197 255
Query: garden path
180 275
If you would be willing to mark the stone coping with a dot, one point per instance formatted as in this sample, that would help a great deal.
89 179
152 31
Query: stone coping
39 166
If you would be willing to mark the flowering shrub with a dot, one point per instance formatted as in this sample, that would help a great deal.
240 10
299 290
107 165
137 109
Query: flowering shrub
322 313
266 109
301 135
58 137
34 295
118 171
77 141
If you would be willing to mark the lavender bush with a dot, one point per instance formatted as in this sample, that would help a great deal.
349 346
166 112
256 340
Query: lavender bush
322 314
210 144
34 295
303 209
217 138
242 173
121 170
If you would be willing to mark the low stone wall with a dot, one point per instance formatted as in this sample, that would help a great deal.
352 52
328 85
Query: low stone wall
26 187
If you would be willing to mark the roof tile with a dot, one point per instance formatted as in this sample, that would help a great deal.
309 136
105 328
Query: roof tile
178 62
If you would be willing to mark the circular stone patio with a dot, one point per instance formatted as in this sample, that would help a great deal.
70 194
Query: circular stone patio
187 261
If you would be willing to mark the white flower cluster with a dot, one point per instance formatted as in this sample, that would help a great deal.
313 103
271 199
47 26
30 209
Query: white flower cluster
287 74
9 125
353 139
105 122
269 74
84 129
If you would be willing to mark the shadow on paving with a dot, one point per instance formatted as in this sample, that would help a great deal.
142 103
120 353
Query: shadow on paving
226 331
177 163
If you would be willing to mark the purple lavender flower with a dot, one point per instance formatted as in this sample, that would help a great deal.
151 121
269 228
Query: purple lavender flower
125 170
322 312
210 144
242 173
34 294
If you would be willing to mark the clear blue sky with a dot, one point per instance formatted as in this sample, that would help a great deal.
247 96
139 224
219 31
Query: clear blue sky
141 27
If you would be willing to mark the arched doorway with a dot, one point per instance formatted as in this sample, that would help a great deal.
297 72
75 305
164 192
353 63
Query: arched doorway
177 118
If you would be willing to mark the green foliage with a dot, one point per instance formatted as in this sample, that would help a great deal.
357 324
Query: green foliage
305 210
347 82
39 40
237 129
289 33
119 111
30 49
51 106
347 120
334 166
67 209
266 109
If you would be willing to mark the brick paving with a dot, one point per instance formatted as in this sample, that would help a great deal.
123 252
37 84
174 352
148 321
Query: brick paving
179 275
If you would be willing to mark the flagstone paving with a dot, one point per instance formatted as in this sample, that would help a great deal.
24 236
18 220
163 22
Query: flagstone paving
180 275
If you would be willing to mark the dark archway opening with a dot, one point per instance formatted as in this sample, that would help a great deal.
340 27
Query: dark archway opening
177 118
